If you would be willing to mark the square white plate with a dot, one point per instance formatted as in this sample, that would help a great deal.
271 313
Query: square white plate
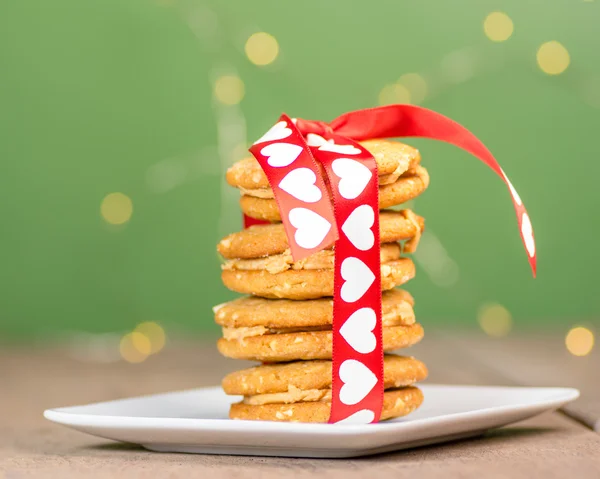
196 422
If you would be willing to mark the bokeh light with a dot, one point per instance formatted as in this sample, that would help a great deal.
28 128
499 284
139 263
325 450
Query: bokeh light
166 175
93 347
498 26
262 48
240 151
553 58
433 257
154 333
495 320
416 85
116 208
394 93
591 91
229 89
135 347
579 341
459 66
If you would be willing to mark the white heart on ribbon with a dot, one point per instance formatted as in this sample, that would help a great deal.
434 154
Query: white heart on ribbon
354 177
357 227
279 131
341 149
312 139
358 330
311 228
281 154
358 381
527 232
364 416
357 277
513 192
300 183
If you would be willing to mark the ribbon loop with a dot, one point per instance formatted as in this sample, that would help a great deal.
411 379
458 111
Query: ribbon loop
397 121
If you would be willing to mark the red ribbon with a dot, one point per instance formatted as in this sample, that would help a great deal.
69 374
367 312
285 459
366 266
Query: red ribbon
357 359
311 222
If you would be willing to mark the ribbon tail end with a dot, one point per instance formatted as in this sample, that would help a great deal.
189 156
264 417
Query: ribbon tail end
533 264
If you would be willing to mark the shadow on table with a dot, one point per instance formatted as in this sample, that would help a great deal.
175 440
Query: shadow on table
478 445
472 446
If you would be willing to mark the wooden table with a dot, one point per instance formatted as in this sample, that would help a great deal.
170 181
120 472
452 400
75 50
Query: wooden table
553 445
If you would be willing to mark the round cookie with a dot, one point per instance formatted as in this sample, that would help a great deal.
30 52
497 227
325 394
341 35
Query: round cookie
305 283
392 157
295 346
404 189
251 312
398 371
383 180
264 240
396 403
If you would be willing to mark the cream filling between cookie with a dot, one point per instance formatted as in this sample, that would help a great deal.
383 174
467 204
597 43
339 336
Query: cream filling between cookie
295 395
402 315
410 246
324 259
292 395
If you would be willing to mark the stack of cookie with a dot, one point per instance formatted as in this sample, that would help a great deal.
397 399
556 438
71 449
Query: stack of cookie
286 321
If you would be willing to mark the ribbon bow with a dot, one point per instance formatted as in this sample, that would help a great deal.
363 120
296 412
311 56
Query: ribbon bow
326 187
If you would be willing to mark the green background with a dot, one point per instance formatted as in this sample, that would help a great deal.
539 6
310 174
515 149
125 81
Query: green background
98 96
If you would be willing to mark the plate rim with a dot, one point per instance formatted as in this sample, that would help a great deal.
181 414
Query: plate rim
62 416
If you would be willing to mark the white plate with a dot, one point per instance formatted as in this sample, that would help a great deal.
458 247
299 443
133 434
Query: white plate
196 422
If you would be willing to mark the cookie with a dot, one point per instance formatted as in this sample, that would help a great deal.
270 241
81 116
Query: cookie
304 345
393 159
260 317
271 315
307 283
402 190
309 382
264 240
288 380
383 180
396 403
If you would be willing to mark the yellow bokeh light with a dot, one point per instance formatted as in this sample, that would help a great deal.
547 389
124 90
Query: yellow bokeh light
580 341
134 347
229 89
154 333
116 208
240 151
591 91
262 48
416 85
498 26
394 93
553 58
495 320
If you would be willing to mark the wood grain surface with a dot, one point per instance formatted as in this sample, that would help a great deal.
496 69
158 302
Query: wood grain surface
552 445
